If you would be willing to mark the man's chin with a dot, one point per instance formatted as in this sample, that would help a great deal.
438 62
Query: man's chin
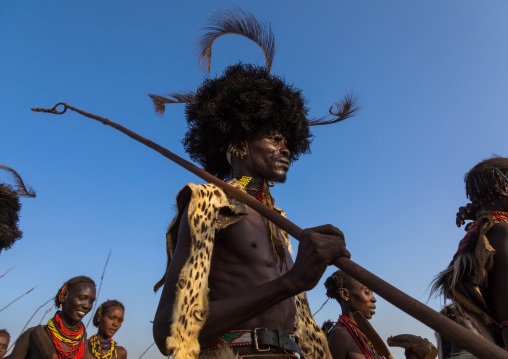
278 177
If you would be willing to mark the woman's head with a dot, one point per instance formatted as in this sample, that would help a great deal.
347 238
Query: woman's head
109 318
75 298
352 295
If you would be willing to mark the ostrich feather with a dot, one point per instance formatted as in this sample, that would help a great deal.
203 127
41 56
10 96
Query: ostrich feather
239 22
341 110
19 189
174 97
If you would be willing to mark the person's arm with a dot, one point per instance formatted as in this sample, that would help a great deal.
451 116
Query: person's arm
498 285
20 350
318 247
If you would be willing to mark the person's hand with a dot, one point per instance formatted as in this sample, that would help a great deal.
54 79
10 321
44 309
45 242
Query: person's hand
415 347
319 247
466 213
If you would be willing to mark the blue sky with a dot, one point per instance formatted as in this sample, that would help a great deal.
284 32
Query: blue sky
432 79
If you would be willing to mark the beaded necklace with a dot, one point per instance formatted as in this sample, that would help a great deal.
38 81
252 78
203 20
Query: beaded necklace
497 217
363 342
96 347
75 339
261 191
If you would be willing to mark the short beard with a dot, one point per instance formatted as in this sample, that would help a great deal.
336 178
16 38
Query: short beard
278 177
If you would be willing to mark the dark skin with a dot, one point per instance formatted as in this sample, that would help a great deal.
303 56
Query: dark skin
76 304
4 344
358 298
109 323
496 293
246 289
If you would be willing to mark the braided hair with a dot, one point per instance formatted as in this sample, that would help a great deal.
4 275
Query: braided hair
67 286
487 181
101 311
336 282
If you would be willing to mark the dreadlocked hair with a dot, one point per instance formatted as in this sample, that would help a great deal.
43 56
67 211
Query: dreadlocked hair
487 181
101 311
235 107
336 282
9 217
67 287
5 332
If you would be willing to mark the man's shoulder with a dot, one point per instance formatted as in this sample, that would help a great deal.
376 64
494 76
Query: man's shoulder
208 193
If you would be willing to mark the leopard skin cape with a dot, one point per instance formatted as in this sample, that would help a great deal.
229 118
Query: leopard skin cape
209 210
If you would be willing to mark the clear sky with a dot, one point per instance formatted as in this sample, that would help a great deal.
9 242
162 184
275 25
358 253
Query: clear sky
432 77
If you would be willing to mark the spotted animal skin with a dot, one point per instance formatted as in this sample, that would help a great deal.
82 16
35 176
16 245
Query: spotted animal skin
210 210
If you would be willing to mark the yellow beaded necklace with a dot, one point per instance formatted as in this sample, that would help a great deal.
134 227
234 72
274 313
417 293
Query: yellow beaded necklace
96 347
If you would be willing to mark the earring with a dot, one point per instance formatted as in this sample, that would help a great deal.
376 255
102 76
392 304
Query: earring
232 150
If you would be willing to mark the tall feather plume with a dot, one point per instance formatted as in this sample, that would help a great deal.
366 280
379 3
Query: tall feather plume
341 110
174 97
234 21
19 189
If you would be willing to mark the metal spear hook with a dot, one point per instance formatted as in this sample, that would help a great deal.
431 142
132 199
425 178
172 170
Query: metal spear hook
440 323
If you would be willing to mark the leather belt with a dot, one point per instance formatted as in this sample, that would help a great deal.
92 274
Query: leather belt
261 339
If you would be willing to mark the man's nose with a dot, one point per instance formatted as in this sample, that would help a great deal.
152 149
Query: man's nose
284 150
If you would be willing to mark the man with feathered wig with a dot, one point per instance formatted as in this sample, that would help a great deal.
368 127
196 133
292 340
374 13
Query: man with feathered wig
475 280
231 288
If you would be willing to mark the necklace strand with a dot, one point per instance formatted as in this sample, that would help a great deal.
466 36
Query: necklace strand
96 346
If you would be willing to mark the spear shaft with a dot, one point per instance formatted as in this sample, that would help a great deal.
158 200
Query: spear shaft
456 333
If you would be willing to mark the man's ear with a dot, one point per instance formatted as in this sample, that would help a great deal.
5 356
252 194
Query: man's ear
344 294
240 147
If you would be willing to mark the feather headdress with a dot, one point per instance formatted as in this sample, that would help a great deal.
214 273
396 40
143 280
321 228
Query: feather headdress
240 22
10 205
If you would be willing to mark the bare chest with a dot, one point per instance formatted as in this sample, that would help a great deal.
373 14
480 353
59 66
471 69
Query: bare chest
244 255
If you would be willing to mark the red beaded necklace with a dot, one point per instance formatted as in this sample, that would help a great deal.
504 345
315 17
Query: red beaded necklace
75 339
363 342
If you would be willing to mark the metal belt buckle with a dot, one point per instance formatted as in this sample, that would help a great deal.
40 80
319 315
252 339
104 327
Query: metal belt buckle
256 344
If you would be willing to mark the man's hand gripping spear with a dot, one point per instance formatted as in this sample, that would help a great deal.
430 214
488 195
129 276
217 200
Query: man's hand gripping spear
446 327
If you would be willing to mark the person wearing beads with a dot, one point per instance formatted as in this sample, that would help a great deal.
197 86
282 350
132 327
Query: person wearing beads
475 280
248 299
64 336
108 319
345 338
5 338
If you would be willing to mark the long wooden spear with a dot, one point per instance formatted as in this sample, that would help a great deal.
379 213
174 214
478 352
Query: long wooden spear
446 327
